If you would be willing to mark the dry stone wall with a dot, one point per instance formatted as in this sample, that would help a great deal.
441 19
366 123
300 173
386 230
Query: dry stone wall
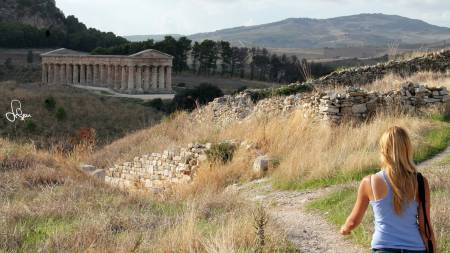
436 62
357 104
353 104
158 171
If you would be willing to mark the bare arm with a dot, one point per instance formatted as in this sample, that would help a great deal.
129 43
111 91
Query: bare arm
357 214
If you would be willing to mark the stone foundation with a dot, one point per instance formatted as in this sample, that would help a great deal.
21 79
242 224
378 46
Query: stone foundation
158 171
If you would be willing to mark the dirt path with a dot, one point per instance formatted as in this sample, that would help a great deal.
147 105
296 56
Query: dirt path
309 232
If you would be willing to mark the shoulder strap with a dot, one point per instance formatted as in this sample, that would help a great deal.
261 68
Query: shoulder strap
371 188
421 186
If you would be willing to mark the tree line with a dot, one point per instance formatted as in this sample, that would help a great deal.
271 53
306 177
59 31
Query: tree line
219 58
74 35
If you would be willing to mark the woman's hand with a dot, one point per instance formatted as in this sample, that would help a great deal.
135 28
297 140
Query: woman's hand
345 230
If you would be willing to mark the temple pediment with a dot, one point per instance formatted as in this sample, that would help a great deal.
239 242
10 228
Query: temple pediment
152 53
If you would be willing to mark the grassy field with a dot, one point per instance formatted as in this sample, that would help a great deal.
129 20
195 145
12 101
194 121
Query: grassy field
226 84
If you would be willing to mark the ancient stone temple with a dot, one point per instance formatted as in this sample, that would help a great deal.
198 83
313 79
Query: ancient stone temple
149 71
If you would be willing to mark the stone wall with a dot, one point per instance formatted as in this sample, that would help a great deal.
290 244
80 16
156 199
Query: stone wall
353 104
436 62
158 171
357 104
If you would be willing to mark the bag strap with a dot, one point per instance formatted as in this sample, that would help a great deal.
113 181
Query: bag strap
421 186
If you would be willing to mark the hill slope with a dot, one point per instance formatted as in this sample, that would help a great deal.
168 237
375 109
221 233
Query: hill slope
39 14
348 31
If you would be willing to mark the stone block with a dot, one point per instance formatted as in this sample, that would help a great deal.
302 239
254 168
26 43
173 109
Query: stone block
261 164
359 108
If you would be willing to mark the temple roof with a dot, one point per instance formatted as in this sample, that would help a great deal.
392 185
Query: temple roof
149 53
65 51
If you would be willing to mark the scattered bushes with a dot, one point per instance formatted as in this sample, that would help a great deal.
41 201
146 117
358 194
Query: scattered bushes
61 114
221 153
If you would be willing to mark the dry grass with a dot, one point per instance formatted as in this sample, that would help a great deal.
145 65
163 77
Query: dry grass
52 207
391 81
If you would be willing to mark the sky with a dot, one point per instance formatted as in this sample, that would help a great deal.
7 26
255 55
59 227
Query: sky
142 17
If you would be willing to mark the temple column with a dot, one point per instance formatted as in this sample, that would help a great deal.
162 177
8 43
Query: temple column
146 78
56 74
82 74
161 78
139 79
101 80
131 72
117 80
44 73
168 78
95 78
155 77
124 84
62 75
69 72
108 76
50 73
76 74
89 74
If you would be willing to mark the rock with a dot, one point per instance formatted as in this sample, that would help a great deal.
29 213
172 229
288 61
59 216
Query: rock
88 168
99 174
361 108
261 164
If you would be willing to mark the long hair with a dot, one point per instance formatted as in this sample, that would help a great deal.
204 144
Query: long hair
396 157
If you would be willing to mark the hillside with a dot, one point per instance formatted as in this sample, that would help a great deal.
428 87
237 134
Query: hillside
39 14
246 173
41 24
349 31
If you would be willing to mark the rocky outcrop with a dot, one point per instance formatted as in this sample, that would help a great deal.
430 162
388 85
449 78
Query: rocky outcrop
39 14
436 62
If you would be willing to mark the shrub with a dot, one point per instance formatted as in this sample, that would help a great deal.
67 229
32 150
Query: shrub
156 103
61 114
200 95
221 153
30 126
50 103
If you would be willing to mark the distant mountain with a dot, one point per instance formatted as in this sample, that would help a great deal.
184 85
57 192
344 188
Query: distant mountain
350 31
155 37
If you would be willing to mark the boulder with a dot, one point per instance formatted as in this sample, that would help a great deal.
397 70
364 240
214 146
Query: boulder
88 168
261 164
99 174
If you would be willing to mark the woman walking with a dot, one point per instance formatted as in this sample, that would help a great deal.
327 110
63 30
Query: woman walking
401 224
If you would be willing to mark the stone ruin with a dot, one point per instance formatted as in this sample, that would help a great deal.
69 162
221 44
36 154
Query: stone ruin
357 104
354 104
157 171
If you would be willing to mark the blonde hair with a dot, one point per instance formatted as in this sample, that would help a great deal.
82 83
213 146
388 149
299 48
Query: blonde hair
396 157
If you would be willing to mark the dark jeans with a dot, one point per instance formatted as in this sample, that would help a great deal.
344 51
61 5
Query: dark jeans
396 251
